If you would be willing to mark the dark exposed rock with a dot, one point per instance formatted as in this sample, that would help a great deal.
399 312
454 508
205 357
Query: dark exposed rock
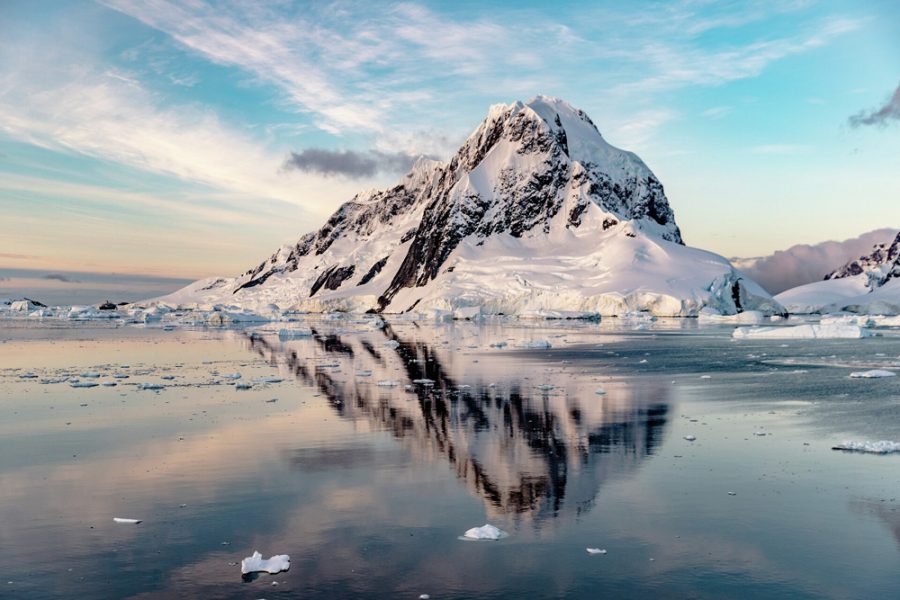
375 270
332 278
882 265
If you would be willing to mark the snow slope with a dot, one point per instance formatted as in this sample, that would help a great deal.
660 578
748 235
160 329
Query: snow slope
867 285
536 211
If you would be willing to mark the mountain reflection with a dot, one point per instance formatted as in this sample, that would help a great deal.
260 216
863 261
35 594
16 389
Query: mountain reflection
532 439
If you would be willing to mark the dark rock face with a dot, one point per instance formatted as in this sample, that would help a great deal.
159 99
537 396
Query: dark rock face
332 278
375 270
107 306
882 265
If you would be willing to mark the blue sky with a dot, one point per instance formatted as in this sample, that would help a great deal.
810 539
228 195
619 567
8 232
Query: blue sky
151 136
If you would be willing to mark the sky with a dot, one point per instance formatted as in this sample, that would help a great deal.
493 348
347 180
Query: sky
186 139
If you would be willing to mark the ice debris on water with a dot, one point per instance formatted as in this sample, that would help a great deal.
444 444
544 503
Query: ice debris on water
873 374
83 384
270 379
27 376
881 447
126 521
232 375
151 386
391 344
691 438
90 375
485 532
257 564
595 550
806 332
242 386
293 334
388 383
600 391
537 345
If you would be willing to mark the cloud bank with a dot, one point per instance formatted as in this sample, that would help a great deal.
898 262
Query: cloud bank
804 263
349 163
889 111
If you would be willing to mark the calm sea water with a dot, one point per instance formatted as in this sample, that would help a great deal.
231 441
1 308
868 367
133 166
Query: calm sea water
368 487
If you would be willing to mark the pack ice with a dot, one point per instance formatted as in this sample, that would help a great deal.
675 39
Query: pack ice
535 214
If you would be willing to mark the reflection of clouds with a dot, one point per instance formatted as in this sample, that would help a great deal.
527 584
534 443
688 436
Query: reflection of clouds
887 512
531 441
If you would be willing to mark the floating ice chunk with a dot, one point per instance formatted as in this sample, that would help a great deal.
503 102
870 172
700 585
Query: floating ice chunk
232 376
151 386
874 373
485 532
748 317
760 433
364 373
499 345
293 334
691 438
882 447
257 564
91 375
388 383
391 344
168 377
424 597
600 391
120 376
126 521
242 386
807 332
595 550
537 345
270 379
424 381
27 376
83 384
109 384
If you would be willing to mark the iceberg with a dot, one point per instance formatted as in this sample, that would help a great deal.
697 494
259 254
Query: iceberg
803 332
882 447
485 532
874 373
258 564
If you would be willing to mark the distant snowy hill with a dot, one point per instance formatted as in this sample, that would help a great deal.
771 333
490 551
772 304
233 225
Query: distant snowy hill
535 212
805 263
869 285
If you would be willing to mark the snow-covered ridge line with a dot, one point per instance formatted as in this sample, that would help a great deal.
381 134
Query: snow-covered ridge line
535 213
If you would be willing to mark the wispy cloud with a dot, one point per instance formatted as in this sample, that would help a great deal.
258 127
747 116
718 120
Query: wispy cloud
348 163
717 112
881 116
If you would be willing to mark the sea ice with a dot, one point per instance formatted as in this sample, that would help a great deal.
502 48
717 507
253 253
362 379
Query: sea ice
151 386
600 391
256 564
690 438
832 331
882 447
242 386
388 383
391 344
270 379
126 521
595 550
537 345
485 532
83 384
872 374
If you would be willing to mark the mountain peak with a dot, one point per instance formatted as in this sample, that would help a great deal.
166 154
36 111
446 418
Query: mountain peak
534 211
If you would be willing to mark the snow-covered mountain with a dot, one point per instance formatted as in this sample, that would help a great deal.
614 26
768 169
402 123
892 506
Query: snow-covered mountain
869 284
535 212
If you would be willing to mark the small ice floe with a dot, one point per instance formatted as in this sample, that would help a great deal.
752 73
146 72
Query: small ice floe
53 380
151 386
485 532
760 433
294 334
126 521
388 383
882 447
873 374
364 373
691 438
424 597
28 376
545 386
804 332
391 344
167 377
120 376
242 386
232 375
424 381
83 384
600 391
499 345
270 379
595 550
91 375
706 377
109 384
258 564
